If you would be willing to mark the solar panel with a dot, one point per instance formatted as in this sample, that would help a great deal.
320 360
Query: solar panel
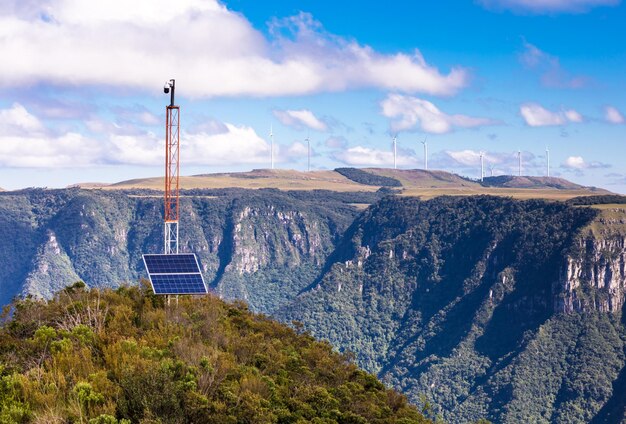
175 274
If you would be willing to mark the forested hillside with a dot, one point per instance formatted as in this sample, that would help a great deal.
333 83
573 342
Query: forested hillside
106 357
244 239
485 307
458 300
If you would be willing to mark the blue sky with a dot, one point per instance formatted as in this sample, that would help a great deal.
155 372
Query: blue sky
81 96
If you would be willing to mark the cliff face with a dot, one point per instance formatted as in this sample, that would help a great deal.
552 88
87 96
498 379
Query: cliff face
593 275
455 300
488 307
262 246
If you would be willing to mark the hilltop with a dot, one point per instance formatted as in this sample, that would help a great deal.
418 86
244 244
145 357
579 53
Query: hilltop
107 357
410 182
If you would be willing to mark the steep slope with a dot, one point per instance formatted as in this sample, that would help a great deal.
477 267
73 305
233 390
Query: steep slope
264 246
119 357
458 299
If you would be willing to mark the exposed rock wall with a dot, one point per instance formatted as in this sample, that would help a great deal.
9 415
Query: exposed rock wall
593 275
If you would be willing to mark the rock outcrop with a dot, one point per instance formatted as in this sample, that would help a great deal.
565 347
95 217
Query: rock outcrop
593 275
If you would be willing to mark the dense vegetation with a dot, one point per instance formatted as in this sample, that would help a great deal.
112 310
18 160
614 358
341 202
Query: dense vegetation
363 177
98 236
598 200
452 300
104 356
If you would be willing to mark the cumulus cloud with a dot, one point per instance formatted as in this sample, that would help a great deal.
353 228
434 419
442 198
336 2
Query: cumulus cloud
300 119
578 163
613 115
552 74
26 142
536 115
366 156
296 149
210 50
407 113
547 6
17 120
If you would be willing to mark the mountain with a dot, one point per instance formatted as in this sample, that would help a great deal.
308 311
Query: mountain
56 237
413 182
486 307
123 356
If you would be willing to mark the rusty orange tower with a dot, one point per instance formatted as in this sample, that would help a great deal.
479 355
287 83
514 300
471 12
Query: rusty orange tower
172 168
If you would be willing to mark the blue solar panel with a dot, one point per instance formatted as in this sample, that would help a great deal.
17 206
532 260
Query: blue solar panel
175 274
178 284
171 264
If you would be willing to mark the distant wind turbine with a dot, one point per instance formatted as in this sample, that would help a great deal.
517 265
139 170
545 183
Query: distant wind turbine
425 154
308 154
482 166
547 161
491 167
395 152
519 163
271 147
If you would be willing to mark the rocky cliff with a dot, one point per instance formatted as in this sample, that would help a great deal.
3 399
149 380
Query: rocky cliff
593 275
459 301
484 306
263 246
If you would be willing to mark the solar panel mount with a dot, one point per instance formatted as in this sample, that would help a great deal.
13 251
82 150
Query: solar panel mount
174 274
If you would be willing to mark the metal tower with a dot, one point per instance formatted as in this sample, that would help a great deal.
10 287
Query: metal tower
425 154
547 161
172 168
519 163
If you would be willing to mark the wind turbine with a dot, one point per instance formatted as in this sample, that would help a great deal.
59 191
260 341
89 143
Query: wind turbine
425 154
547 161
271 147
308 154
482 166
491 167
519 162
395 152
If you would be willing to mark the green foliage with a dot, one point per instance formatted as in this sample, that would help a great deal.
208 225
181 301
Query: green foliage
202 360
451 300
598 200
363 177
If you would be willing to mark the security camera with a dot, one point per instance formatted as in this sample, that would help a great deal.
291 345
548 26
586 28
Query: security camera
166 87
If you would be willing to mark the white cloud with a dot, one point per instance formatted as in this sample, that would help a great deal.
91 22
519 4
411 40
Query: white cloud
365 156
536 115
548 6
575 162
296 149
613 115
470 157
300 119
17 120
237 145
578 163
408 112
210 50
26 142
